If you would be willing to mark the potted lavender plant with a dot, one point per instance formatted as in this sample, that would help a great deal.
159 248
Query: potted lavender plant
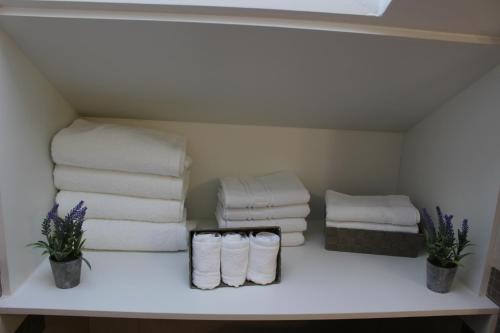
64 243
445 250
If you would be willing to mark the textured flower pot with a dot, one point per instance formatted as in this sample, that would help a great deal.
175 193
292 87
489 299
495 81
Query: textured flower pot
440 279
66 274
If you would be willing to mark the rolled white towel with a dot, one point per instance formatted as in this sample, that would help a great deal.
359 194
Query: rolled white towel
391 209
77 179
134 236
119 207
234 259
276 189
292 239
263 257
117 147
279 212
206 259
206 280
411 229
286 225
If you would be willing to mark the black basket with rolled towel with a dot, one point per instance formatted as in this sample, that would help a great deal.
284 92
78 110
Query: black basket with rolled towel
217 257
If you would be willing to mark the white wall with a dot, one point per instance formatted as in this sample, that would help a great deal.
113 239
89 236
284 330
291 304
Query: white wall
452 159
358 162
31 111
4 281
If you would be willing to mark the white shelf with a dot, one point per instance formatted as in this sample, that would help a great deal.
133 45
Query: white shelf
316 284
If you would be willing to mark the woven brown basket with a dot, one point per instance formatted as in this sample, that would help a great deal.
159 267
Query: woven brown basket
387 243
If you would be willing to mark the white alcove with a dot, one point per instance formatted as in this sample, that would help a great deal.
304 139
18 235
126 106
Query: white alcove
359 111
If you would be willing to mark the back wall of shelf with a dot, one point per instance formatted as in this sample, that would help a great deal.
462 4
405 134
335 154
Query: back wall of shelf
357 162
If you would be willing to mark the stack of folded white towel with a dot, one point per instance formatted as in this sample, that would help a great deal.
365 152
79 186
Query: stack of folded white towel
277 199
132 180
393 213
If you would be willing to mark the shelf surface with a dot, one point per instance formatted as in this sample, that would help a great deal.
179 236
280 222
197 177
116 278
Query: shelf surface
316 284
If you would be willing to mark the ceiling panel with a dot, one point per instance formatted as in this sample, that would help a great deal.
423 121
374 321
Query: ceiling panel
247 75
476 17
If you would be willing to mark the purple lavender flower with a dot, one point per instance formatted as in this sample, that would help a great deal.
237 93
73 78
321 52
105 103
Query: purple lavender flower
441 221
440 214
79 218
58 225
445 249
429 225
465 228
448 227
46 229
64 237
462 236
79 215
75 212
52 215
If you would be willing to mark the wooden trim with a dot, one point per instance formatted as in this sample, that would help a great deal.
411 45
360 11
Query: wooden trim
32 324
9 324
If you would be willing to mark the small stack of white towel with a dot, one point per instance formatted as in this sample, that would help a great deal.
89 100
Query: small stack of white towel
278 199
132 180
393 213
234 258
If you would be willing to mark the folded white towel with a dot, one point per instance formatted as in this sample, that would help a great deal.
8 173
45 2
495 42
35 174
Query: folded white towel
234 259
118 207
412 229
279 212
393 209
206 260
122 235
292 239
77 179
121 148
262 260
286 225
276 189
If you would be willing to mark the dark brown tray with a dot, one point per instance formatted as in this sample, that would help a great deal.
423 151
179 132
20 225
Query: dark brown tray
387 243
275 230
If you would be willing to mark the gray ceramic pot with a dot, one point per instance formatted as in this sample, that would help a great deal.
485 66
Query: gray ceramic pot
66 274
440 279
